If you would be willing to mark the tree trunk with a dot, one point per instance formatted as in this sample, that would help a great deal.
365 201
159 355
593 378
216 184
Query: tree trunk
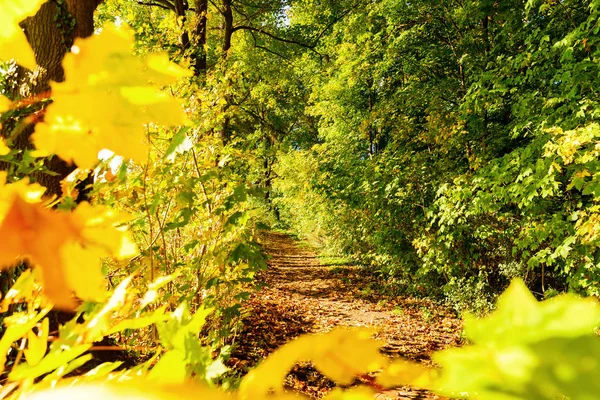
227 27
50 43
227 33
180 9
200 36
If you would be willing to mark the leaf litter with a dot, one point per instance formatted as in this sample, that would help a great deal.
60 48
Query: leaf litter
300 295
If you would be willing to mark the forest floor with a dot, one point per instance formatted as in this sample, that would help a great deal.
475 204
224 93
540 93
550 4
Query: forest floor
303 295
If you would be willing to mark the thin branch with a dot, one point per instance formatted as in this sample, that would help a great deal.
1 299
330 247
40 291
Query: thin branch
256 45
280 39
272 36
164 4
286 59
217 7
208 206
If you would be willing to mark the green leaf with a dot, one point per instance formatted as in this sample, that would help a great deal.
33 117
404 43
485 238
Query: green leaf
520 318
139 322
527 350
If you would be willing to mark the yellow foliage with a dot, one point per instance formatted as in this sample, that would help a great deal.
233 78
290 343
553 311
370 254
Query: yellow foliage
402 372
30 231
66 247
37 344
29 192
13 43
106 100
341 354
17 326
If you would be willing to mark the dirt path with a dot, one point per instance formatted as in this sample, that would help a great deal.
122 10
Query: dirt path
303 296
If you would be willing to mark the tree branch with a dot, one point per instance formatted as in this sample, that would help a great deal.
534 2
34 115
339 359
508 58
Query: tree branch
164 4
280 39
217 7
256 45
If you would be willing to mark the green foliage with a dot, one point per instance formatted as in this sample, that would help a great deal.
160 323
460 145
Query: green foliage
455 145
527 350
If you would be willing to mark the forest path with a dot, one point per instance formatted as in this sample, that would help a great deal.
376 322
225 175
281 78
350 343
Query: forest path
301 295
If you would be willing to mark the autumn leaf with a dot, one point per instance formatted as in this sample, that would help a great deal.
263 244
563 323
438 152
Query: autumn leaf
341 354
37 344
404 372
13 42
104 227
30 231
30 192
67 247
344 354
107 99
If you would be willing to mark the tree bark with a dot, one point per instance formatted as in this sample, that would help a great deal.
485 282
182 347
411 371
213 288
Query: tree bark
227 27
180 10
200 36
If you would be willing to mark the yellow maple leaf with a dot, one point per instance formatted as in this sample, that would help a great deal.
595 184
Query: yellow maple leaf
344 354
13 42
103 227
67 247
31 193
404 372
82 268
106 100
29 231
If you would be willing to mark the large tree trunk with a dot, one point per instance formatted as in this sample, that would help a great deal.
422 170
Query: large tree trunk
50 43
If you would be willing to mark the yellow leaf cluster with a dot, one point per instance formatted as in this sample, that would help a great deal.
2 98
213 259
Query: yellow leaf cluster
67 247
108 96
13 43
37 344
17 326
341 354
